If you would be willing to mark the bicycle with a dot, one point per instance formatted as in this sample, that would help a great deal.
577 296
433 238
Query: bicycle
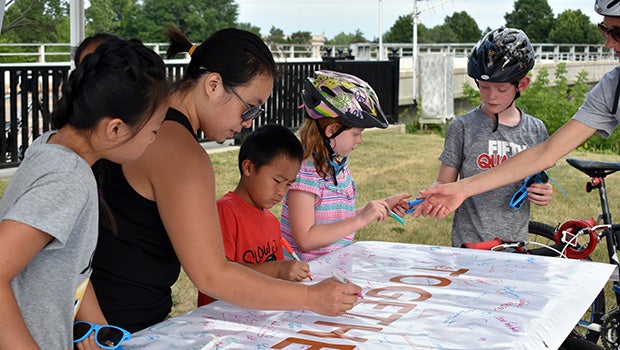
579 239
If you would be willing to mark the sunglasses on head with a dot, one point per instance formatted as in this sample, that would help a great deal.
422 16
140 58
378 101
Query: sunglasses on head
106 336
251 112
612 32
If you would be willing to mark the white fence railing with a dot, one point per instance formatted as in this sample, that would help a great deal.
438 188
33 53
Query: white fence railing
45 53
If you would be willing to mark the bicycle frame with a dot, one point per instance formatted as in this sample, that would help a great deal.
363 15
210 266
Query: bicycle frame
597 171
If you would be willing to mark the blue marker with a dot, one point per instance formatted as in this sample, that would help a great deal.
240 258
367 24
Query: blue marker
412 203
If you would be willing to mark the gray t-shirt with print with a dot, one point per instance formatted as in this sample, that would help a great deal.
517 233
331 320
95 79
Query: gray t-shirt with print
54 191
472 147
595 111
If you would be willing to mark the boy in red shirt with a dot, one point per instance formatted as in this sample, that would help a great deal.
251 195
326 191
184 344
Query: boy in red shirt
269 160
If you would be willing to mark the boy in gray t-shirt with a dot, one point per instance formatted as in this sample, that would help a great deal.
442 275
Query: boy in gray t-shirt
490 134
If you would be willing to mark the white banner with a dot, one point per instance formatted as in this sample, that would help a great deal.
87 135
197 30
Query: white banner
415 297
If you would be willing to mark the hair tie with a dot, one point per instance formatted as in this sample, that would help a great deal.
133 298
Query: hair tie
191 50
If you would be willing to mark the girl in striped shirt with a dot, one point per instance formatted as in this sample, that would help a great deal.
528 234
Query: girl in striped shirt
318 212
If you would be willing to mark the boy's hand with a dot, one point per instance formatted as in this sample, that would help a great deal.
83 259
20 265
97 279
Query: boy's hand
293 270
540 194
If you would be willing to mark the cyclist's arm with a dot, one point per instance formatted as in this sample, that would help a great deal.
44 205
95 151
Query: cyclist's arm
446 198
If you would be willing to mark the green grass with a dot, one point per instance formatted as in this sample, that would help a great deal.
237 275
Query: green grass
390 161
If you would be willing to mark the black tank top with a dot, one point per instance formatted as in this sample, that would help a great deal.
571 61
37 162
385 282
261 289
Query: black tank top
134 270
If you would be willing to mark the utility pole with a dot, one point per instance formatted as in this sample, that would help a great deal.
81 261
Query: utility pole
3 3
380 53
76 17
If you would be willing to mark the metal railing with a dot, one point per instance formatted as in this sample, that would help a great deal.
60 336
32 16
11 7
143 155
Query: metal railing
45 53
31 90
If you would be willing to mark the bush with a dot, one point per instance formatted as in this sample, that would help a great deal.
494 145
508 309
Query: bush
556 104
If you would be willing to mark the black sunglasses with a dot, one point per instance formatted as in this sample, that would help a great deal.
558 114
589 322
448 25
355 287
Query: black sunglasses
251 112
612 32
106 336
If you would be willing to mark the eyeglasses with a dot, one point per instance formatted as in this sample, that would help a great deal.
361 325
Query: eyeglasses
518 199
612 32
106 336
251 112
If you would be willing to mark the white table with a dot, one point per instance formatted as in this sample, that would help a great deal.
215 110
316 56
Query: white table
415 297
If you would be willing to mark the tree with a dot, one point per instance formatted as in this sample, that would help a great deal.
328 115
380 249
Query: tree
439 34
300 37
343 38
534 17
340 39
196 18
401 31
34 20
249 27
101 16
358 37
276 35
574 27
468 30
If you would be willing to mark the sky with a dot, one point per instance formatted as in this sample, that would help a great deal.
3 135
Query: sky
332 17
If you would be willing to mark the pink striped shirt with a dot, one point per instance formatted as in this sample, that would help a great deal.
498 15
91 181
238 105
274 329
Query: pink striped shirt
332 204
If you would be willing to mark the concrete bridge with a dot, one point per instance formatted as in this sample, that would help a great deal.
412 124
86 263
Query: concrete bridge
441 77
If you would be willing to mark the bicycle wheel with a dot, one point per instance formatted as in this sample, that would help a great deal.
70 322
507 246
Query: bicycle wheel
543 234
541 237
579 344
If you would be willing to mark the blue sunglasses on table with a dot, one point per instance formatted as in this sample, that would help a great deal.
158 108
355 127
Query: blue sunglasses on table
106 336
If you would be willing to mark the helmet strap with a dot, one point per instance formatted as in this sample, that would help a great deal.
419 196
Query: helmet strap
330 150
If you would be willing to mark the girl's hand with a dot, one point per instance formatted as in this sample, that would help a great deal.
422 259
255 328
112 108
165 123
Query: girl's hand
373 211
540 194
398 203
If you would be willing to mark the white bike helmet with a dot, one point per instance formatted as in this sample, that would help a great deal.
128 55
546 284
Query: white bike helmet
607 7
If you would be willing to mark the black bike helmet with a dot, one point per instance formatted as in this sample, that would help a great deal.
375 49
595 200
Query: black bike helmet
502 55
607 7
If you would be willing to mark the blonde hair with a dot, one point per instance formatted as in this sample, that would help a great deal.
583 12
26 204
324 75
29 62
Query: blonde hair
314 147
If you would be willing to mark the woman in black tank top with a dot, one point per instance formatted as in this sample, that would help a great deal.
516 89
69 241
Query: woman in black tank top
164 203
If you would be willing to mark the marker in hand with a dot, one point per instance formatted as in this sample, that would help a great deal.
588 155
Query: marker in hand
412 203
343 281
395 216
290 250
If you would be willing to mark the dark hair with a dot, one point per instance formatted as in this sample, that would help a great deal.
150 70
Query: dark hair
267 143
93 40
121 78
237 55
